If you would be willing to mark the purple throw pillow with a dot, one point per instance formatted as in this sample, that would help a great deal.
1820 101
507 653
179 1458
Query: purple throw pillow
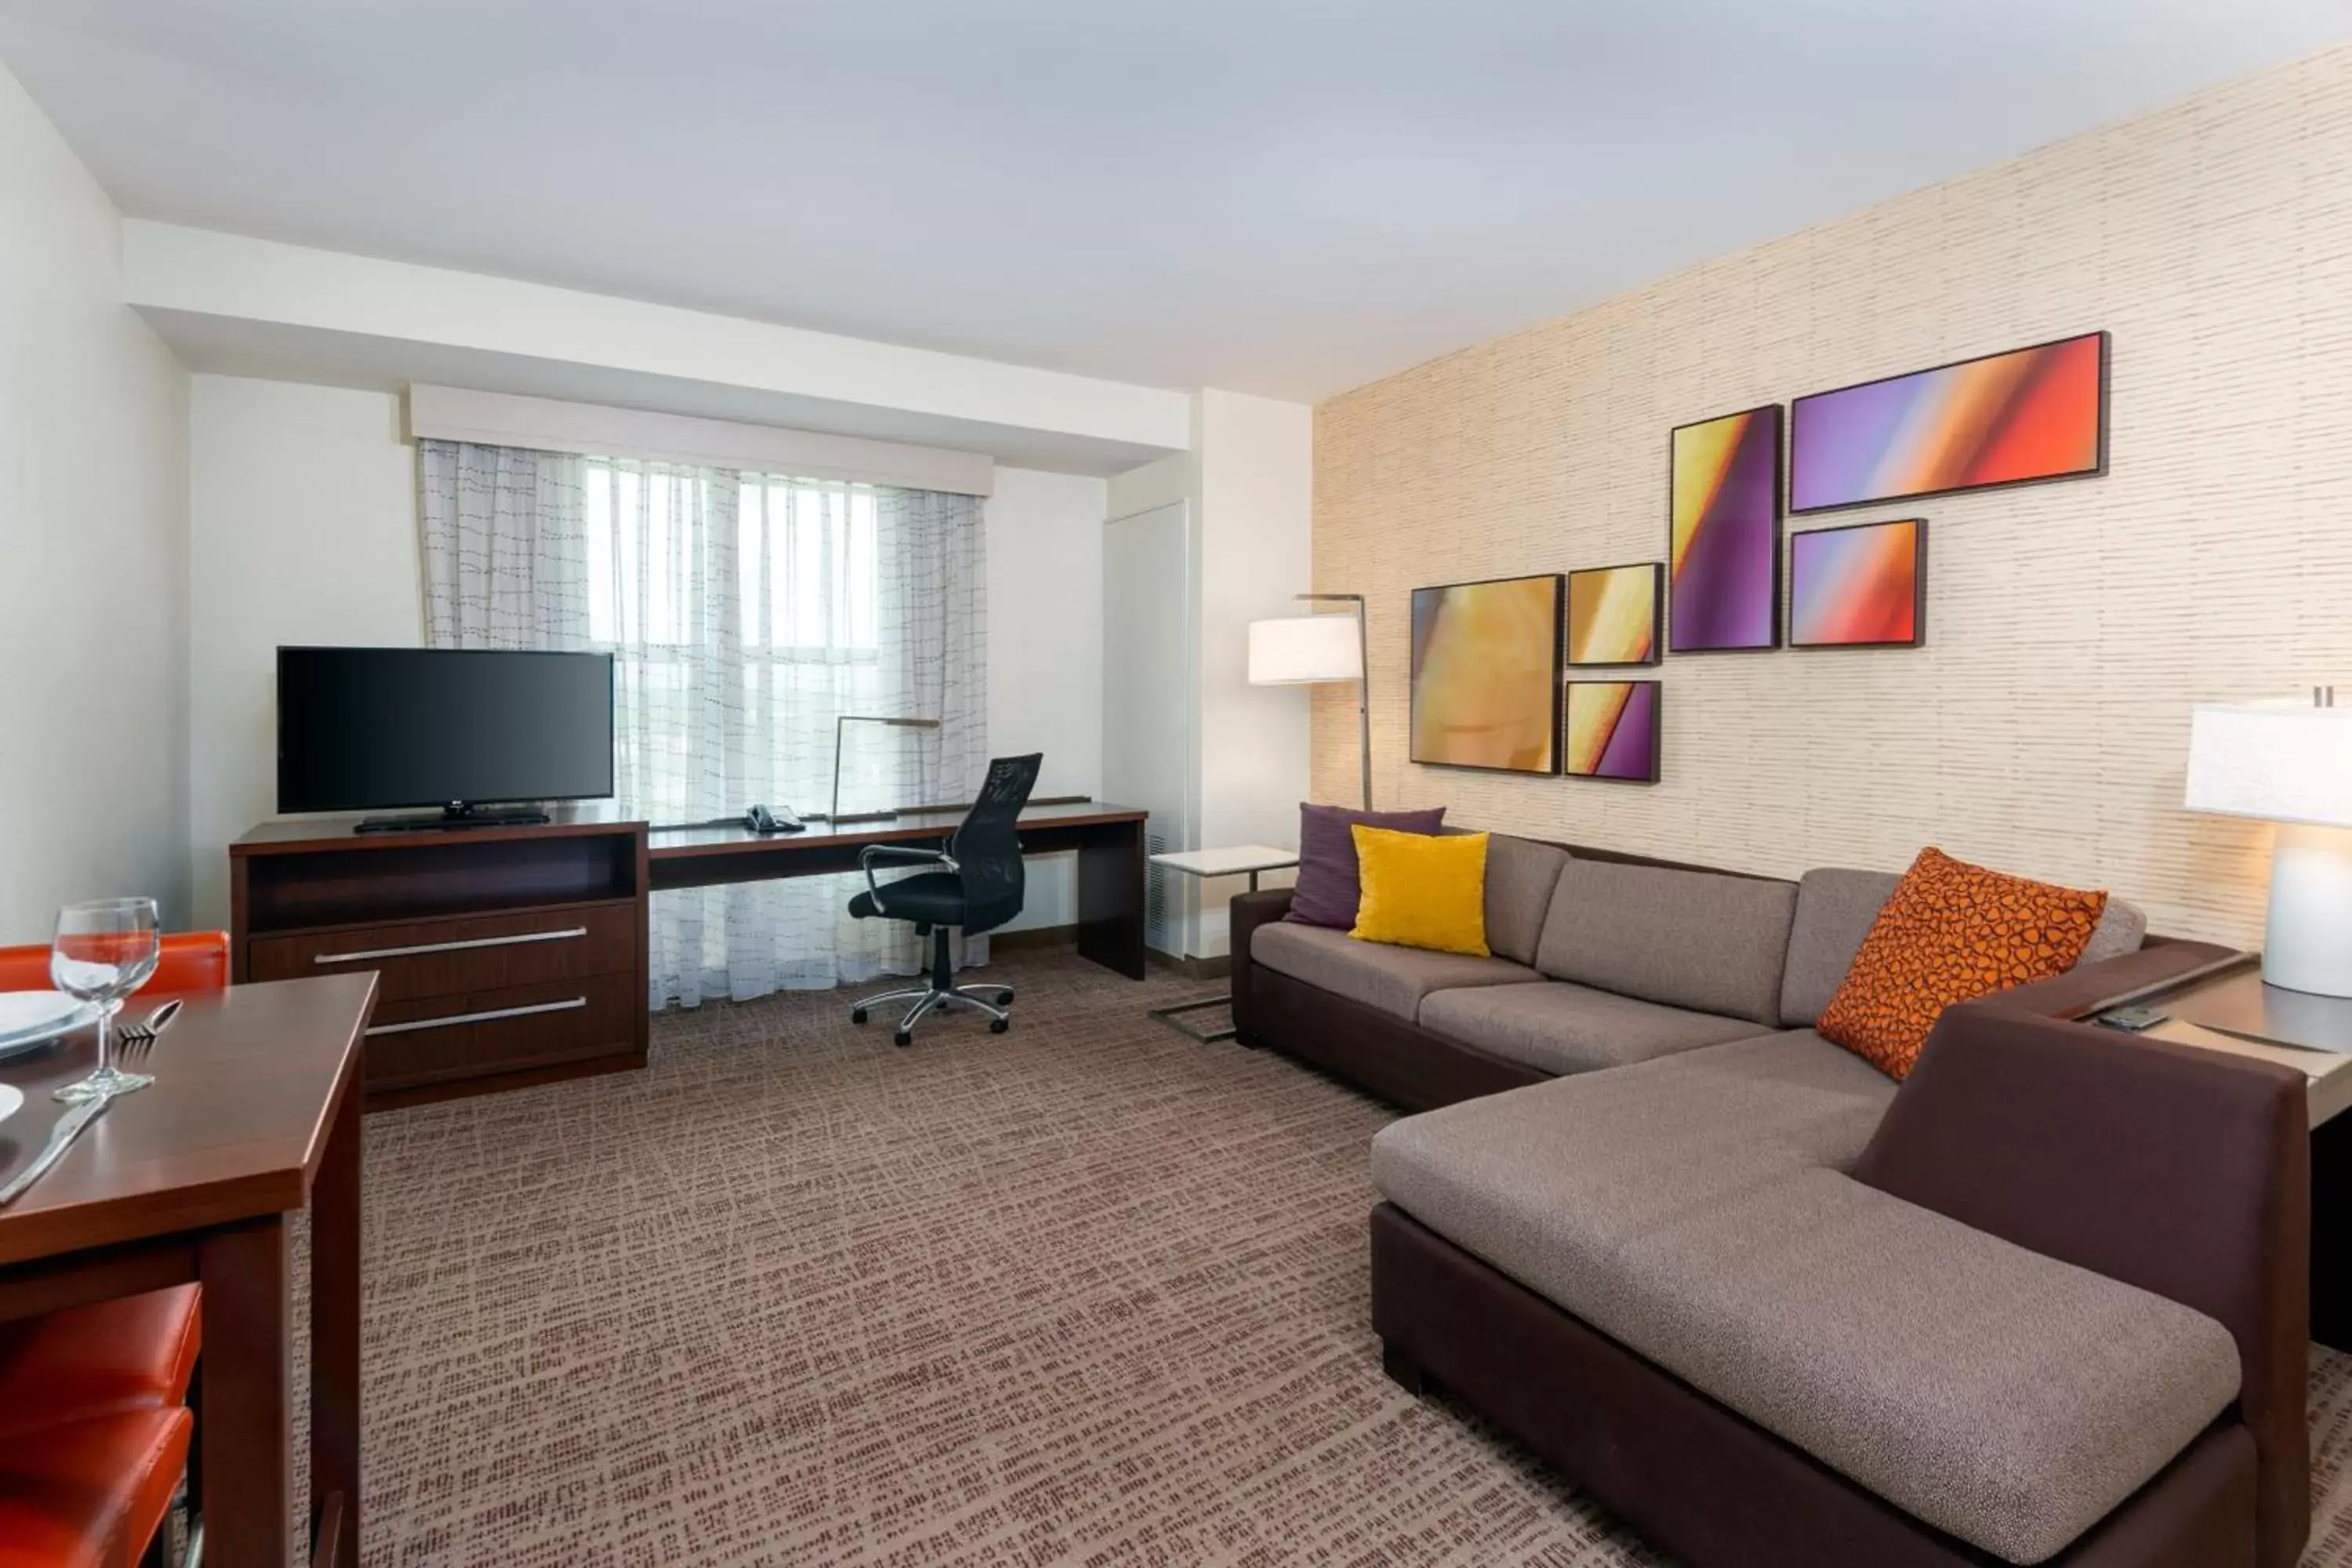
1328 887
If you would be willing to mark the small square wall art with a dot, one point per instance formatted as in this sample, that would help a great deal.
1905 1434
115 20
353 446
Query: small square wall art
1485 675
1614 614
1865 586
1612 730
1724 539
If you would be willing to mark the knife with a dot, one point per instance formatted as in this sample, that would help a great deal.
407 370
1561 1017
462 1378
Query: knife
67 1129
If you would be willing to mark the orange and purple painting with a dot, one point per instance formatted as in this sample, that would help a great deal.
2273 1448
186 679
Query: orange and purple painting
1859 587
2003 419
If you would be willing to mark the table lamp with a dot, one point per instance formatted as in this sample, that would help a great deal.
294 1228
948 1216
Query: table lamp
1302 649
2290 762
835 817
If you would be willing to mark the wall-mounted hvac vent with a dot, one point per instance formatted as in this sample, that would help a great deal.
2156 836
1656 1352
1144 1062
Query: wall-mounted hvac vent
1157 932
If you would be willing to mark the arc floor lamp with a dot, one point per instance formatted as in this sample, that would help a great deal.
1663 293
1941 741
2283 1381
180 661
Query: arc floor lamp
1302 650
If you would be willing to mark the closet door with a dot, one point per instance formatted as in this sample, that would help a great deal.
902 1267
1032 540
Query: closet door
1151 686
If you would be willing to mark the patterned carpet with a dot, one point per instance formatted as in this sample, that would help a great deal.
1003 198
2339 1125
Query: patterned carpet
1083 1293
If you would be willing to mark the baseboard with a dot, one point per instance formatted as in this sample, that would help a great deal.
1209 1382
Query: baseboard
1217 968
1062 939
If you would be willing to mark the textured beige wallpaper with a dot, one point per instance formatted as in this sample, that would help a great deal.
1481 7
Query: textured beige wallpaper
2069 625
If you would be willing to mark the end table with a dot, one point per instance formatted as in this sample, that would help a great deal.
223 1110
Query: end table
2228 1008
1246 859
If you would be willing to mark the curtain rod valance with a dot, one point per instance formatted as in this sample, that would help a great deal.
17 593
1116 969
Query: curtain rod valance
547 425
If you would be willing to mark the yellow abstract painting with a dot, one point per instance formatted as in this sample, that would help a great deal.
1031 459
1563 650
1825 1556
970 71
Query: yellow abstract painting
1612 615
1486 674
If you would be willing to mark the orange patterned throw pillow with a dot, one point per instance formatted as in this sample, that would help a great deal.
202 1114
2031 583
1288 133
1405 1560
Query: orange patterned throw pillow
1949 932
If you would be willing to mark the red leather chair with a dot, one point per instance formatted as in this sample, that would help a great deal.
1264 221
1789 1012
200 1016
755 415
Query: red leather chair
190 960
135 1353
90 1493
94 1433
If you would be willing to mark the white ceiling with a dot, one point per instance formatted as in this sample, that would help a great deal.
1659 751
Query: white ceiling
1283 196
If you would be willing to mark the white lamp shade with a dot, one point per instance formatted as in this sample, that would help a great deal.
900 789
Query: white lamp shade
1304 648
2282 762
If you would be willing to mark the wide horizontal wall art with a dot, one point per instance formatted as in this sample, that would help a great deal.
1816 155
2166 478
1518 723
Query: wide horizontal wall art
1612 730
1614 614
1724 537
2009 418
1863 586
1486 674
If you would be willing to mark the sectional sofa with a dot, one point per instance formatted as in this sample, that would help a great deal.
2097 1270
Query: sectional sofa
2045 1301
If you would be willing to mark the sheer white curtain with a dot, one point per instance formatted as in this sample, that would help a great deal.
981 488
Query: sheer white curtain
747 612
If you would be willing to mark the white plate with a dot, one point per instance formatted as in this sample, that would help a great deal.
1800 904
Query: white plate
30 1018
10 1100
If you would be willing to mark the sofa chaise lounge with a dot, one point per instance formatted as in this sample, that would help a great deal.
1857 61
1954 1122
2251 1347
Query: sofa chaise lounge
2045 1301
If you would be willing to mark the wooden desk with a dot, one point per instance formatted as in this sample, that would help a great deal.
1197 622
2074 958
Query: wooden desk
253 1113
504 956
1110 842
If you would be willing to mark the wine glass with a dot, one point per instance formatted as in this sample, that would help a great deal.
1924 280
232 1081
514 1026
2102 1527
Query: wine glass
104 952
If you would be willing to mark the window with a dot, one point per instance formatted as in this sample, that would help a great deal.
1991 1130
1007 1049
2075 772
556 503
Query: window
805 584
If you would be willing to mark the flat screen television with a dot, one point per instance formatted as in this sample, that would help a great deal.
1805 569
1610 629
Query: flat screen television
360 729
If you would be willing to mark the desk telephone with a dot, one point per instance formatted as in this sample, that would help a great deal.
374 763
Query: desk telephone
760 820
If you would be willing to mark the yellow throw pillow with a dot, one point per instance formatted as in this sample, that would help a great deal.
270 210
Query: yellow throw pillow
1423 889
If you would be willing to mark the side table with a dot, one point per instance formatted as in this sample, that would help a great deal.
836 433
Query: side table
2228 1008
1246 859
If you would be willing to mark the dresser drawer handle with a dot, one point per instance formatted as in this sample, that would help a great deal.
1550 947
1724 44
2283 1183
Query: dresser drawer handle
491 1016
376 952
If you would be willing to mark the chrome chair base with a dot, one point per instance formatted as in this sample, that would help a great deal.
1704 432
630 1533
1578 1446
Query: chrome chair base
994 1000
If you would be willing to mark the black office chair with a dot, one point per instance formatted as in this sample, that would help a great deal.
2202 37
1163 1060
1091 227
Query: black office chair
979 890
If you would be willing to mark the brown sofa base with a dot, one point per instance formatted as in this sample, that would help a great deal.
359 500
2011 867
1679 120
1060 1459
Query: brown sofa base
1703 1482
1399 1061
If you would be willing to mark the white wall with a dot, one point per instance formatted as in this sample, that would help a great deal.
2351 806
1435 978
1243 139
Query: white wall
302 525
2045 727
93 485
229 277
1044 650
302 529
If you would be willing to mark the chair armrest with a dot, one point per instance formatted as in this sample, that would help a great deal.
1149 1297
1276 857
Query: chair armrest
1249 911
2183 1170
906 852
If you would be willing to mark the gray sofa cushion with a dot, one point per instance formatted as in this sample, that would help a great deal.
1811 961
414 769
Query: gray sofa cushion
1694 1209
1520 877
2121 929
1393 979
1835 910
1562 1028
1700 940
1610 1156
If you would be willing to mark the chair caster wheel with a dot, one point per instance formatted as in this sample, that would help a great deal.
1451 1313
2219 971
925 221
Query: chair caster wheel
998 1026
901 1038
1005 998
857 1014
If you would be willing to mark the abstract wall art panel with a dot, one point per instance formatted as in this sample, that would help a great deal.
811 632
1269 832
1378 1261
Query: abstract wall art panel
1614 614
1612 730
1865 586
1724 539
2004 419
1485 675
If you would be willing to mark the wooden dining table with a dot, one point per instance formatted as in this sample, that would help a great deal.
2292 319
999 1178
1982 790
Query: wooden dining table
254 1114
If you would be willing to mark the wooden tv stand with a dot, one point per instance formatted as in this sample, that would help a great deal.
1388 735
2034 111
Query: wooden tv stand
508 956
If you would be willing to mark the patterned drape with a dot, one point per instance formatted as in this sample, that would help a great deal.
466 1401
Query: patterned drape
747 612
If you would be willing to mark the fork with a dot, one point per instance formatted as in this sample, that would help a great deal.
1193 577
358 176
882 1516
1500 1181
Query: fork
137 1039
